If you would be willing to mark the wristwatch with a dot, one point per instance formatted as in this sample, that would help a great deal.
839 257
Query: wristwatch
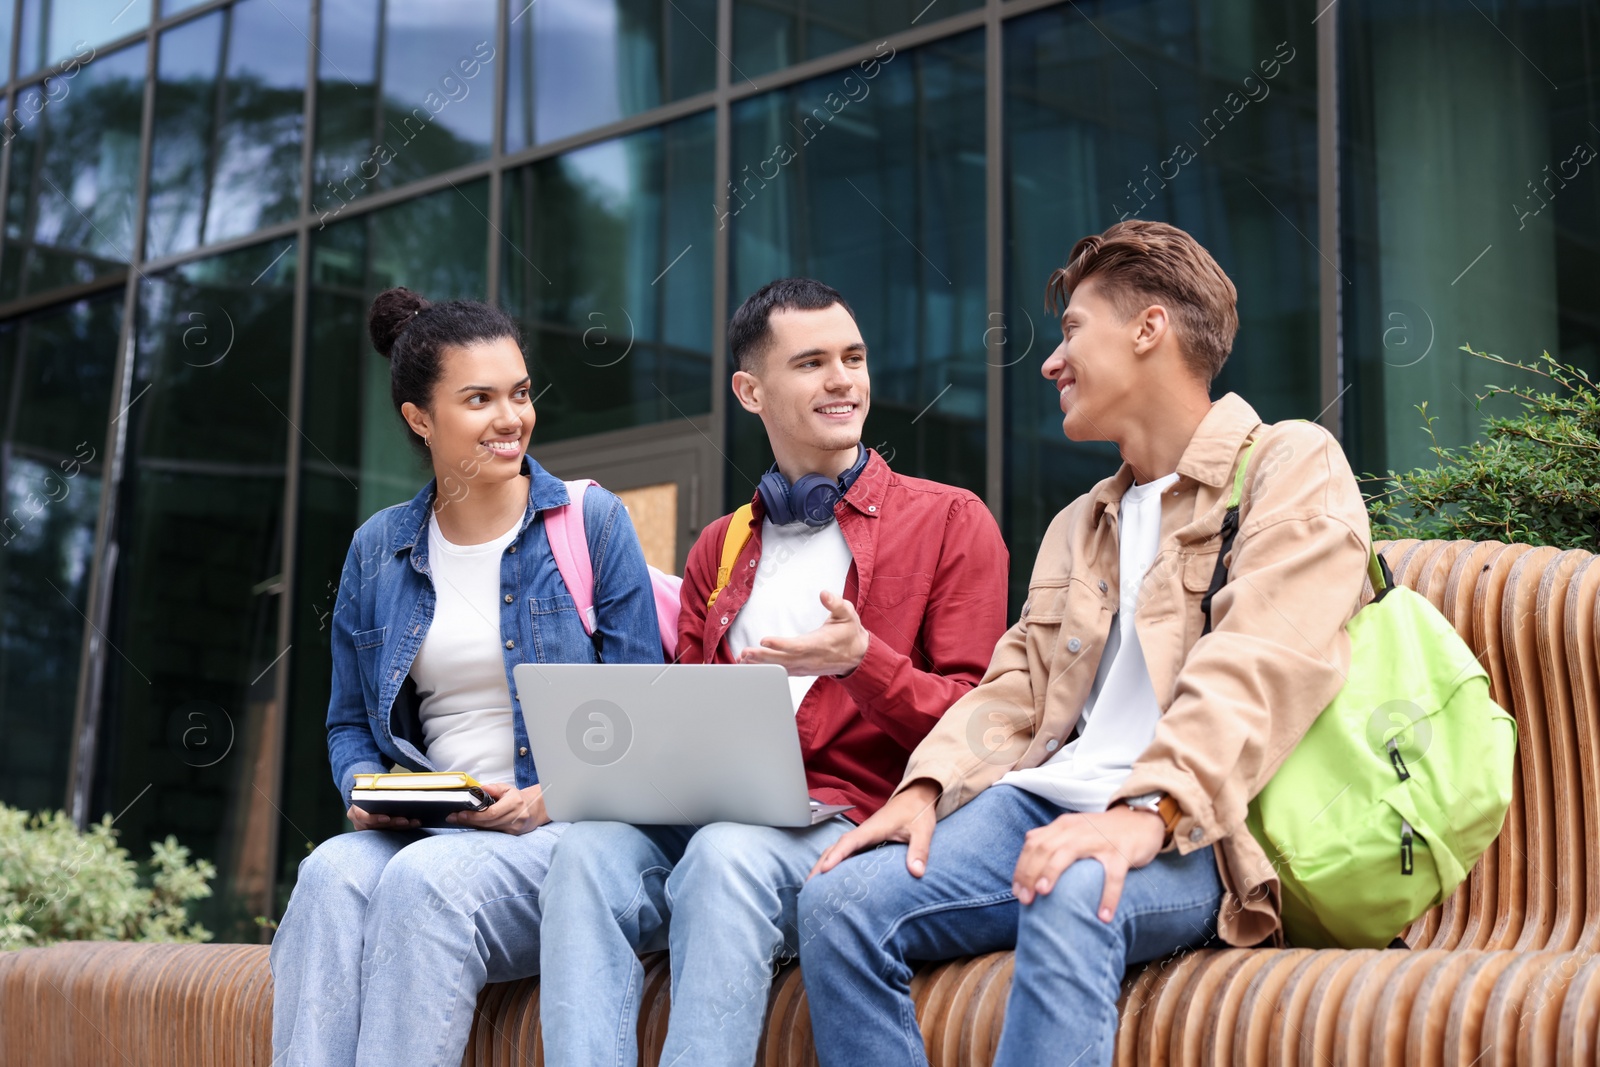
1159 804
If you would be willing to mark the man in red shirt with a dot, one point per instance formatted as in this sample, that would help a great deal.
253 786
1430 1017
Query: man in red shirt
883 597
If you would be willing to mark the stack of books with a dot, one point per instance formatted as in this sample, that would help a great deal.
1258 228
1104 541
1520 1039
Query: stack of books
427 796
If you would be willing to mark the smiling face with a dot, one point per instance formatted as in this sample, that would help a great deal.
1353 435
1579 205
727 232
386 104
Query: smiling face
811 390
1096 368
480 420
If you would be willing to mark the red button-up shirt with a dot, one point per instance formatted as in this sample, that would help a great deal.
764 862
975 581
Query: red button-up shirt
928 578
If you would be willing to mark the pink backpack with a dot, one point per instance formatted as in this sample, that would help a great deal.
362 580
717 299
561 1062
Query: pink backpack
564 527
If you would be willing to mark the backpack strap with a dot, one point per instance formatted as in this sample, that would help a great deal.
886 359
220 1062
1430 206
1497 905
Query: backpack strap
733 542
1230 530
1377 568
563 527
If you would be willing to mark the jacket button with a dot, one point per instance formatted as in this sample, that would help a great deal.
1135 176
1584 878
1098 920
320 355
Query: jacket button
872 508
1103 585
511 644
1051 745
509 598
512 550
724 620
752 563
1196 835
523 751
1073 644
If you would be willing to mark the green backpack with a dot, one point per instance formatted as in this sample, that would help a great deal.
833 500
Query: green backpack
1399 785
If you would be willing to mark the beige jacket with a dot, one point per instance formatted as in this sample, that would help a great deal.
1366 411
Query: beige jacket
1232 704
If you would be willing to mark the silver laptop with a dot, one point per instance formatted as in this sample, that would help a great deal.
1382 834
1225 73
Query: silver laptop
677 744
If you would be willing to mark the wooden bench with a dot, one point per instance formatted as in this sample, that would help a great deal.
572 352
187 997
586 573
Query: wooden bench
1505 971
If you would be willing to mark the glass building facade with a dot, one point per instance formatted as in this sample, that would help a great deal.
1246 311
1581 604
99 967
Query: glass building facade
201 198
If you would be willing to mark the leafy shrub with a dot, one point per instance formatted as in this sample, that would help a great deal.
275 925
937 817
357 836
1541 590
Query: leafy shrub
60 884
1534 477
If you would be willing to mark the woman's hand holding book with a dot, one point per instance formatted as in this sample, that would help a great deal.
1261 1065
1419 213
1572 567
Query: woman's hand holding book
514 811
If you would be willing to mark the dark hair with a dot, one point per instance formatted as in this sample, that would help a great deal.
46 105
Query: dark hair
412 334
750 329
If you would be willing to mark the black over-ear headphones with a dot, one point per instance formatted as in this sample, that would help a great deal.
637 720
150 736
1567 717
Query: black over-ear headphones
811 499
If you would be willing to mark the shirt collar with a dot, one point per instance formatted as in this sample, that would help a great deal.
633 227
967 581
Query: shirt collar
1209 456
866 493
545 491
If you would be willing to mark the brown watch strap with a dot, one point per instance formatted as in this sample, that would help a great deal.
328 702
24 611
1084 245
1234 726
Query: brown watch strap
1169 814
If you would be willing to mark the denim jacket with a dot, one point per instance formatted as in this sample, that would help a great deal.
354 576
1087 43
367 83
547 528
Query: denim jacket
386 603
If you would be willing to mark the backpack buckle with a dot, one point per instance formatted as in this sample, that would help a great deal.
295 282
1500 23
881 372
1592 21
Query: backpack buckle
1399 762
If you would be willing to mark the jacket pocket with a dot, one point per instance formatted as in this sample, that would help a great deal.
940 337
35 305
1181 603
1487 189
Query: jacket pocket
558 633
1198 567
890 591
365 639
1046 603
369 661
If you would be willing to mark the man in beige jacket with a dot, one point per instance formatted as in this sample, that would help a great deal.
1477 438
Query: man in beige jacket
1085 804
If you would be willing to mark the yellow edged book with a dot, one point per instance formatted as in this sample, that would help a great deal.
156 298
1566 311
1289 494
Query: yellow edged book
427 796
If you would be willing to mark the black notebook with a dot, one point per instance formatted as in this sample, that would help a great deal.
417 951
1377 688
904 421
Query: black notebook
427 796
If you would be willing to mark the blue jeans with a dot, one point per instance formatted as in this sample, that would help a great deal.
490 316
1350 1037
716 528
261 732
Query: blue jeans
390 935
721 899
1069 965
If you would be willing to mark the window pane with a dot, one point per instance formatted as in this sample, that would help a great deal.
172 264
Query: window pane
769 34
55 388
405 89
189 707
871 179
1225 148
53 30
355 456
1469 212
225 159
74 175
607 263
6 9
597 62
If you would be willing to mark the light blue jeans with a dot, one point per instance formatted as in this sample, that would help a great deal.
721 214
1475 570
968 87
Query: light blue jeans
389 936
1063 1003
721 900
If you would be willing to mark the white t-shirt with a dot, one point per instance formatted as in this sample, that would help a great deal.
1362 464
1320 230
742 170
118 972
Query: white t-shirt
1120 713
460 669
797 563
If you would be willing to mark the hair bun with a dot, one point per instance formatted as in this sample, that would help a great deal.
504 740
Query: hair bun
391 312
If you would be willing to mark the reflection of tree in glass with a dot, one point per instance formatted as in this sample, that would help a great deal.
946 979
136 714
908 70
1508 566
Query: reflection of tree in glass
74 167
359 153
225 160
608 253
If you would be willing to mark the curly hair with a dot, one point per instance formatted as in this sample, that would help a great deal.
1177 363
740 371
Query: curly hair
412 334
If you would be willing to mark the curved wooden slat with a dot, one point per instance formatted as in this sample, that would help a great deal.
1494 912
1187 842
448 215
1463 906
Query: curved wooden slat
1322 1007
1252 1029
1582 631
1222 1014
1160 1016
1430 1008
1353 1021
1192 1011
1539 1028
1578 1033
1510 891
1463 1028
1390 1014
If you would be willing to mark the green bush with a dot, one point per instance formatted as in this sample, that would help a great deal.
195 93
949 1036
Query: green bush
1534 477
60 884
